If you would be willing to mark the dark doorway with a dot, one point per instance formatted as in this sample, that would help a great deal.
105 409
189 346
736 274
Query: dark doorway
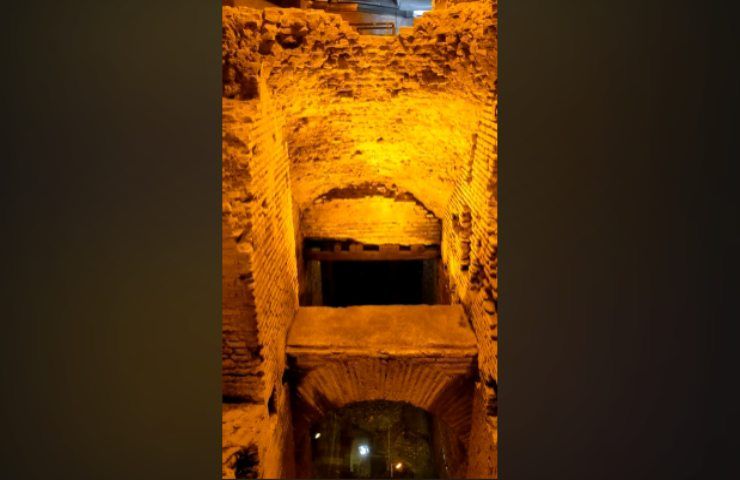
377 439
406 282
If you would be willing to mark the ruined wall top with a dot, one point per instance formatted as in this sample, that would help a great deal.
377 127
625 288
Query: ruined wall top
449 49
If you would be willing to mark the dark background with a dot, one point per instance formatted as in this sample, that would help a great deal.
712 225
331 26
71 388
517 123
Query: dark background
618 247
346 283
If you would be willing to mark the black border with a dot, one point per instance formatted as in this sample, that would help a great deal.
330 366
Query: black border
618 228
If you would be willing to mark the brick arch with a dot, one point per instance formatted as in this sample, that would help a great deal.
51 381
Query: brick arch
356 189
437 380
443 387
370 213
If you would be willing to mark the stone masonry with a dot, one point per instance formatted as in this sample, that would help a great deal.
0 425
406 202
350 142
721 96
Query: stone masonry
313 110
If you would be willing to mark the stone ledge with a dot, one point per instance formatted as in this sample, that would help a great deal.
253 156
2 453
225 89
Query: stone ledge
388 330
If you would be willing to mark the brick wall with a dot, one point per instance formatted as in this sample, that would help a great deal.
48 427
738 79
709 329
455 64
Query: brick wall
260 281
470 240
483 444
311 50
469 253
373 220
241 375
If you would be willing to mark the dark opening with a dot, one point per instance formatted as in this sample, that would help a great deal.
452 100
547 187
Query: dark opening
271 402
406 282
246 465
377 439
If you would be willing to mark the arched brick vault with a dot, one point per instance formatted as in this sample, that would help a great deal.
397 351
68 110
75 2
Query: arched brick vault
371 213
443 388
440 386
421 144
424 355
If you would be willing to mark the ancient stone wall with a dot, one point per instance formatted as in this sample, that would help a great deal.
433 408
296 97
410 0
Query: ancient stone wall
372 220
438 4
388 109
265 432
470 242
240 366
452 49
470 253
483 444
259 263
450 457
414 113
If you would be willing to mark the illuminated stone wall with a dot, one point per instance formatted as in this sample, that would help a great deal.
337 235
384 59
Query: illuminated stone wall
470 245
470 255
240 366
397 110
373 220
449 50
413 114
451 3
483 444
259 262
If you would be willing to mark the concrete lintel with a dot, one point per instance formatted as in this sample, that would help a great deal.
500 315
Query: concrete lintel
387 330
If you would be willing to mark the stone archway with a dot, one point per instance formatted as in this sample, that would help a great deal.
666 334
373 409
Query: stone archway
424 355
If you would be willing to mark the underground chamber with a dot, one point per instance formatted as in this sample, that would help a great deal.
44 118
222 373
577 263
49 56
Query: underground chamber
359 242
